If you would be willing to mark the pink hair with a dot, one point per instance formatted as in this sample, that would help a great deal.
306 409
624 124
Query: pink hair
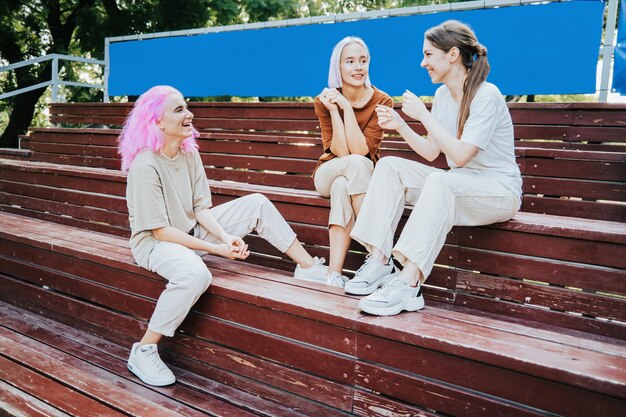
140 130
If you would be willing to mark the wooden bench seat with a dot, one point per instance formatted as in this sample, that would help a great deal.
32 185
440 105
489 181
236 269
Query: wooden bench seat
591 126
11 153
551 268
524 318
311 340
589 184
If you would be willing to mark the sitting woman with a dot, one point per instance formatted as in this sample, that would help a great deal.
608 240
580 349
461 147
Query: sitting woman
173 222
351 138
470 123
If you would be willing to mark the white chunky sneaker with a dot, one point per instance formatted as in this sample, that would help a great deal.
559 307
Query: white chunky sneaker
145 362
392 298
336 279
370 276
316 273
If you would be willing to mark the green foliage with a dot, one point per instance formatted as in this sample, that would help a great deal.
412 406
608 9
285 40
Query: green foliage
565 98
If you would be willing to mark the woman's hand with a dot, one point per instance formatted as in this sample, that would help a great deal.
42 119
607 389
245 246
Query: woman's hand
388 118
339 99
324 97
235 243
413 106
334 98
231 252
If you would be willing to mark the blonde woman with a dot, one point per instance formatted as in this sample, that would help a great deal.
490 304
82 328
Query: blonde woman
351 137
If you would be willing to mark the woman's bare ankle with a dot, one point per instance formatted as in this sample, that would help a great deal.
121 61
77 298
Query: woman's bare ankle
378 256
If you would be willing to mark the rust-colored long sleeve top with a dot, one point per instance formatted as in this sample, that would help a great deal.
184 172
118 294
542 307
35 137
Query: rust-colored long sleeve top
366 119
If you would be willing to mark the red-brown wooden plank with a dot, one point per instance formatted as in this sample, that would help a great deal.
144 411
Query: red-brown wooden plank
72 149
542 317
294 381
613 212
599 134
14 402
368 404
33 355
561 168
83 161
93 137
252 148
78 212
605 117
56 394
550 247
106 202
206 379
201 394
523 387
259 163
556 272
597 190
435 396
547 296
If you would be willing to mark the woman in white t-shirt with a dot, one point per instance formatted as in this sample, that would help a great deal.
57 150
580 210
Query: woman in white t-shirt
471 125
173 222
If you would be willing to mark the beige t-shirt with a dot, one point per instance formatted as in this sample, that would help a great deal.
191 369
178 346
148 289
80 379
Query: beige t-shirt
163 193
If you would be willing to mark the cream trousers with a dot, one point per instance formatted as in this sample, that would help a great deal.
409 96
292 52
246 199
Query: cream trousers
441 199
339 179
188 276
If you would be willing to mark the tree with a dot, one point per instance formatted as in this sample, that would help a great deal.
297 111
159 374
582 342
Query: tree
29 29
32 28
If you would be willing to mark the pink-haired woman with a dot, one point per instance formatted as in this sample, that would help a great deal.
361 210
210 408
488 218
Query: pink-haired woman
173 222
351 139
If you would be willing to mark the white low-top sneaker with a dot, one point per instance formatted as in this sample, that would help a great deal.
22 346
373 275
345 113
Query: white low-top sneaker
145 362
370 276
392 298
336 279
316 273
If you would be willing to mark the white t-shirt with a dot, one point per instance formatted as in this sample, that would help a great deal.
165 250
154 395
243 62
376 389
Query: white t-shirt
489 128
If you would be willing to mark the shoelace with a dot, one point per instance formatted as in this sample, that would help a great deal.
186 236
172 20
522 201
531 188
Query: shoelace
154 358
369 262
393 284
335 280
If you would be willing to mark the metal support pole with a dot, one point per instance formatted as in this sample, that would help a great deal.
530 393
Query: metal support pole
607 49
55 80
105 76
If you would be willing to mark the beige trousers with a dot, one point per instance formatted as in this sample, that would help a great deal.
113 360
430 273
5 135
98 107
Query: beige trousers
339 179
441 199
188 276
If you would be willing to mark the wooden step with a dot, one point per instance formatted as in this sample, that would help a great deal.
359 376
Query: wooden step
311 340
83 375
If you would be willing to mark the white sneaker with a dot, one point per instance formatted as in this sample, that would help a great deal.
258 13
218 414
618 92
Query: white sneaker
336 279
316 273
146 363
392 298
371 275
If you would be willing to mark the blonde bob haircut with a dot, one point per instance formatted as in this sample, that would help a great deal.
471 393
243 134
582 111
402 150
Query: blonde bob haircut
334 71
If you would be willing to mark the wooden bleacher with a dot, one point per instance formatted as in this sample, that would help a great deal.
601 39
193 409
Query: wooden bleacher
523 318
